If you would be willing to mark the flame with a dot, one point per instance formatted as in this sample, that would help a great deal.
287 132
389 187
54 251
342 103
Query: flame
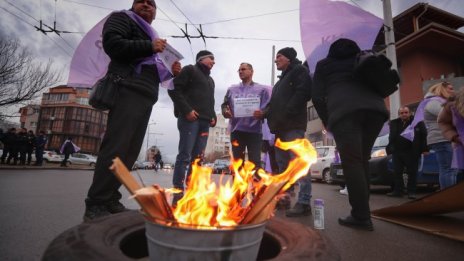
207 204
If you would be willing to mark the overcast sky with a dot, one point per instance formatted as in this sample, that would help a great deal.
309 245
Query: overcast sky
275 21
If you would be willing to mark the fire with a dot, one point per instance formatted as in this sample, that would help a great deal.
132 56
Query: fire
209 205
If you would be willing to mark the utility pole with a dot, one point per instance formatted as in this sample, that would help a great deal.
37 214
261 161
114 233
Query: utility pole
395 99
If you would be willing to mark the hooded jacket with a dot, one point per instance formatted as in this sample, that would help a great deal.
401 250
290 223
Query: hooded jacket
335 91
287 107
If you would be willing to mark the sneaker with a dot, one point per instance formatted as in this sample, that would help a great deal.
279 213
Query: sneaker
115 207
344 191
94 212
353 222
299 210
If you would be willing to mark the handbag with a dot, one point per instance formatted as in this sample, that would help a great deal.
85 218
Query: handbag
105 92
374 70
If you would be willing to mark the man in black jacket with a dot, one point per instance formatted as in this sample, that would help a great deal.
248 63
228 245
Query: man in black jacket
286 115
129 42
193 98
406 154
355 114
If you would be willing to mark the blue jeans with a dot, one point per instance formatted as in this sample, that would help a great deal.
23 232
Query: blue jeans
283 157
193 136
444 154
304 196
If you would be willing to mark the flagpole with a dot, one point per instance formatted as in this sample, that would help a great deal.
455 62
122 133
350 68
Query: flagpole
395 99
273 66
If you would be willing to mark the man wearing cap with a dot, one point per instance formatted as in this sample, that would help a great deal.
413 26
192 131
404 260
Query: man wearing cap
245 130
132 45
286 115
193 98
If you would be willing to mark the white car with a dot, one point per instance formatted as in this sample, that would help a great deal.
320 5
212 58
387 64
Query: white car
81 158
321 169
50 156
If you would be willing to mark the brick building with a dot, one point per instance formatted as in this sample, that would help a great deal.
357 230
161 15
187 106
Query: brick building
65 112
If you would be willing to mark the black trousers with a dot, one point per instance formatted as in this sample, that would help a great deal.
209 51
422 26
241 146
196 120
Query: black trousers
355 135
409 160
127 123
250 141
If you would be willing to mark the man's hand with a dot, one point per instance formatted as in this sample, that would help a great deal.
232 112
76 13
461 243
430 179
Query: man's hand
258 114
176 67
159 45
192 116
227 112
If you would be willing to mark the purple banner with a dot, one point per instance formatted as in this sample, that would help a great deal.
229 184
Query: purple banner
323 21
89 62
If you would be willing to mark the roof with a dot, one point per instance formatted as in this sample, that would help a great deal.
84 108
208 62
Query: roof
404 24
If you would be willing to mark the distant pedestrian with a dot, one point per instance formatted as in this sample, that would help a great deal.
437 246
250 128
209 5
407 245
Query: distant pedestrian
10 150
40 143
451 122
30 146
157 160
405 153
193 98
245 130
21 143
354 114
67 149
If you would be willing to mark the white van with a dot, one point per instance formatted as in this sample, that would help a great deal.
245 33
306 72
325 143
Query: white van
321 169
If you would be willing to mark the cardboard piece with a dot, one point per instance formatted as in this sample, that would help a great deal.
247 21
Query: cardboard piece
424 213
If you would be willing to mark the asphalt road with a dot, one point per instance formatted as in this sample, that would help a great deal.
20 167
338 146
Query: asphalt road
38 204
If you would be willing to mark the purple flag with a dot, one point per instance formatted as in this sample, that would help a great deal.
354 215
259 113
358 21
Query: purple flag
89 62
408 133
323 21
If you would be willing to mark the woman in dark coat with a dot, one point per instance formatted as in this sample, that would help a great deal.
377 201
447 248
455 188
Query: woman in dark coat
354 114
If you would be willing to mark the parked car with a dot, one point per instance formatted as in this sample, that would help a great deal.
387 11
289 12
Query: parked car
167 166
381 167
321 169
138 165
81 158
50 156
221 166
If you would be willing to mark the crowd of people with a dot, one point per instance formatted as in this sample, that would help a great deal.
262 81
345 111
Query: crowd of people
351 111
19 144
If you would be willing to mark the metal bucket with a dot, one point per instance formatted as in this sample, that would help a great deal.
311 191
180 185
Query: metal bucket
178 244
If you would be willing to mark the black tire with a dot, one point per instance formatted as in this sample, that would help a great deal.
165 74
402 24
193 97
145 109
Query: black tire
92 164
326 176
122 237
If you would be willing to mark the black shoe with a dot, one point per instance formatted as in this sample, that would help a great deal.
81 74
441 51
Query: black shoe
299 210
395 194
284 202
94 212
412 196
115 207
350 221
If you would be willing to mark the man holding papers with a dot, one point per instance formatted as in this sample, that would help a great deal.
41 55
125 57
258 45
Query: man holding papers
240 102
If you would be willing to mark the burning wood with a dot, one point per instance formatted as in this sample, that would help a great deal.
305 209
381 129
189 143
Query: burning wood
242 200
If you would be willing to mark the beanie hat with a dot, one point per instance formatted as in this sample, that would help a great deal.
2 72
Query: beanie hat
288 52
203 54
152 1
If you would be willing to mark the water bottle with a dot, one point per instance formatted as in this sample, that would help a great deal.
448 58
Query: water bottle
319 214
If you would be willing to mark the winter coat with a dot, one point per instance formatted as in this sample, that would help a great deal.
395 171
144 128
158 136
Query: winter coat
398 143
335 91
287 109
445 122
193 90
126 43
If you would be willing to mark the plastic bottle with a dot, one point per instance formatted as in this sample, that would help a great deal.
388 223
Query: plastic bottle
319 214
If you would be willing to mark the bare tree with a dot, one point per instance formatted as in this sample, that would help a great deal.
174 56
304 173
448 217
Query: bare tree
22 78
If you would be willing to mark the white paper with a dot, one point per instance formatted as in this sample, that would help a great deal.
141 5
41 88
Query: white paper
169 56
244 107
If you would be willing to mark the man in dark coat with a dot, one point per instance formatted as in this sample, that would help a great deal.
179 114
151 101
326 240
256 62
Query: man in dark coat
406 154
354 114
286 115
40 143
193 98
10 150
30 146
127 41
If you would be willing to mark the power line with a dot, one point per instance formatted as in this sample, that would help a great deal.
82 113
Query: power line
250 17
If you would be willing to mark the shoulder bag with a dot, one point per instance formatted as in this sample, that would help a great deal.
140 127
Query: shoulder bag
105 91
